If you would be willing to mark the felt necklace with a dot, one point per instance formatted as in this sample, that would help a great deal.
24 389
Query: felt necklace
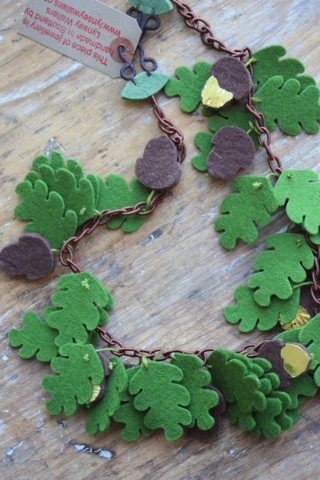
245 96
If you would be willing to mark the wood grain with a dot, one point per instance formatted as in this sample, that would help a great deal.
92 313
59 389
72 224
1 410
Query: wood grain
171 279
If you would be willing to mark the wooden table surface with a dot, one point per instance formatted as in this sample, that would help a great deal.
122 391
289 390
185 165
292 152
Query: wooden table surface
170 279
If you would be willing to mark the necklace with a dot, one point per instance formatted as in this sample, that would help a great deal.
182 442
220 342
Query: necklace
259 386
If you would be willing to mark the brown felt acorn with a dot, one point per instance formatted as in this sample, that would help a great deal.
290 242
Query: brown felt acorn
233 149
159 169
288 360
31 256
230 80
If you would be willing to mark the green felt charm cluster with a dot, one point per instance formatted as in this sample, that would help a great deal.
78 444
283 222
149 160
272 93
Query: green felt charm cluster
57 198
284 96
65 338
156 395
255 400
272 293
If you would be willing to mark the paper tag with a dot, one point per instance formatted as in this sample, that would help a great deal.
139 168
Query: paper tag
89 32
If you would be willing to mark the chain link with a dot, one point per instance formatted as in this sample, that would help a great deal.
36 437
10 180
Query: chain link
169 129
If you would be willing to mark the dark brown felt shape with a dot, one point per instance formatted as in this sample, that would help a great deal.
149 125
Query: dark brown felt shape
232 76
271 351
233 149
159 169
30 256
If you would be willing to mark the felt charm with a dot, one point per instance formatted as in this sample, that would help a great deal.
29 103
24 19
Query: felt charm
233 149
77 194
100 413
300 388
79 367
162 398
237 116
76 301
231 375
288 257
283 103
115 193
152 6
250 314
35 338
267 63
159 169
244 210
299 191
309 335
144 86
203 141
195 379
46 212
188 85
271 351
55 162
129 415
230 80
31 256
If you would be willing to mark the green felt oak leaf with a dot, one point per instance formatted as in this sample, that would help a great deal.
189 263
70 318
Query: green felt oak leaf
283 104
299 191
188 85
267 64
76 303
116 193
287 418
195 379
246 209
47 212
266 420
144 86
129 415
35 338
290 336
301 388
269 382
250 314
158 393
309 335
152 6
315 239
101 412
202 140
245 420
79 368
77 194
270 421
285 262
231 375
56 162
237 116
